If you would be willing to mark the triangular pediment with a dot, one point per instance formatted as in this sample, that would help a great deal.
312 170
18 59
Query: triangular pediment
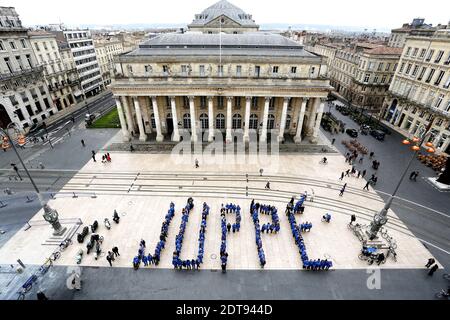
226 22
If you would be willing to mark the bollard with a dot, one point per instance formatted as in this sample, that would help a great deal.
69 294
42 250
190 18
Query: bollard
2 205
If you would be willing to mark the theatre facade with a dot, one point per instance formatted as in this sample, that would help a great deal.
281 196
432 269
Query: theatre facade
223 76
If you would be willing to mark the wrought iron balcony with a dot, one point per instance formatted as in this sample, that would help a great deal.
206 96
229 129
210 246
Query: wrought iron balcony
21 73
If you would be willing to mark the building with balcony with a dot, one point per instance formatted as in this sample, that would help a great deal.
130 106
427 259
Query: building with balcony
82 47
416 27
57 71
231 81
24 97
360 72
106 49
419 92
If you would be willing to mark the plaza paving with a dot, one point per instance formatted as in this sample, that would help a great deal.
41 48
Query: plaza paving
141 186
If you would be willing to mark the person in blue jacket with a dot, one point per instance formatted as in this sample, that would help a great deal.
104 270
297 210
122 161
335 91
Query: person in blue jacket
136 263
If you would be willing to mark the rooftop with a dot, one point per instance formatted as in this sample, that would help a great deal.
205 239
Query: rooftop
383 50
258 43
223 7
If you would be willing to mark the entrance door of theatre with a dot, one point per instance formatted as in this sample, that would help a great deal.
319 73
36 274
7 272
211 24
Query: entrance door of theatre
169 126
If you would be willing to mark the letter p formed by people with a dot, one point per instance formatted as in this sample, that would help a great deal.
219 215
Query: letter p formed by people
374 279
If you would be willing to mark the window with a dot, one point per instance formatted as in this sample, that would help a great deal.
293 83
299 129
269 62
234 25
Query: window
220 70
430 55
220 121
439 56
383 79
19 62
184 69
8 64
416 68
204 121
408 68
439 100
422 72
447 61
270 122
272 104
165 69
422 53
293 70
153 121
29 110
237 121
203 103
430 75
414 52
185 102
45 45
257 71
439 78
254 102
288 122
401 68
275 69
380 66
375 80
447 83
408 51
237 102
388 66
220 103
148 68
238 71
447 108
253 124
367 77
24 44
187 121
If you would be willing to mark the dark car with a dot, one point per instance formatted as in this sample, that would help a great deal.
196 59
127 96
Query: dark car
36 127
378 134
352 133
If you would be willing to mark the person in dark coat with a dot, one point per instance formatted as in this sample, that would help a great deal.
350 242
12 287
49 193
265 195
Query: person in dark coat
433 270
430 262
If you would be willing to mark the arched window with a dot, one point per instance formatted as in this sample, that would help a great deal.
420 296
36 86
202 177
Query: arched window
187 121
237 121
288 122
153 121
204 121
253 122
270 122
220 121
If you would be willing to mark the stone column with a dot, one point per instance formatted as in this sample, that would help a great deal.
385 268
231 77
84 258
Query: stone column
248 101
210 119
137 108
192 111
123 124
129 119
301 118
283 119
263 137
229 111
176 132
159 136
319 119
312 116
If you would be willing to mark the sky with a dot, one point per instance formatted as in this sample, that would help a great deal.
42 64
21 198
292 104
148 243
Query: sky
380 14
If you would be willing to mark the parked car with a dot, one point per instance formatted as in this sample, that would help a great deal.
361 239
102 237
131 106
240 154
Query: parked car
352 133
378 134
365 129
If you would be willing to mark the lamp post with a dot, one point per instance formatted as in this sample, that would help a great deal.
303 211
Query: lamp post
380 218
50 215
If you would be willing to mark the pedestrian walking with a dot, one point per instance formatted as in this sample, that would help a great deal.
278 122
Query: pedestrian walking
347 173
115 250
430 262
108 258
268 185
343 190
261 172
363 173
416 173
371 155
433 270
352 219
16 170
82 143
93 156
108 157
342 176
366 187
73 119
131 148
228 227
196 163
332 141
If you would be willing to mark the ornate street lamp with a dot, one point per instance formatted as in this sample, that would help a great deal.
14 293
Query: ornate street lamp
380 218
50 215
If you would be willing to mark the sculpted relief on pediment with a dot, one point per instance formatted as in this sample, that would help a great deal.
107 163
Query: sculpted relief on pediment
227 22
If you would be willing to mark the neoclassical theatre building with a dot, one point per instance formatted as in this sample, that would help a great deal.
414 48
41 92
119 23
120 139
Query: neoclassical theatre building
222 74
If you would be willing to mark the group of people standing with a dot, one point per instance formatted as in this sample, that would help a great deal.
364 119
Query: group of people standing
229 208
190 264
254 209
232 208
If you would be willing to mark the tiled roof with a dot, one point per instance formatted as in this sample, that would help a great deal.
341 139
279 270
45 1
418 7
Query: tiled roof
385 50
